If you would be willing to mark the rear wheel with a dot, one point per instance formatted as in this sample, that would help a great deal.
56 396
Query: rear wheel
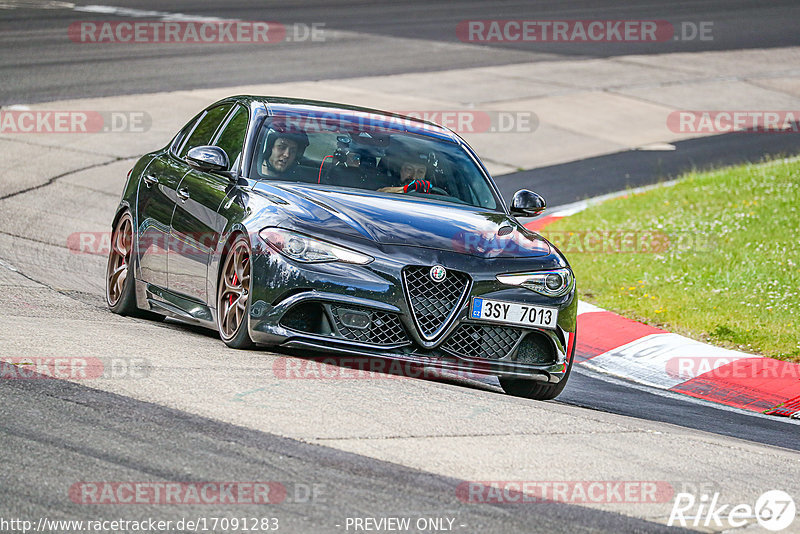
120 290
233 295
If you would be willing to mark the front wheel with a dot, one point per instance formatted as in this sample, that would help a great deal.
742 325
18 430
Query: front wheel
233 295
531 389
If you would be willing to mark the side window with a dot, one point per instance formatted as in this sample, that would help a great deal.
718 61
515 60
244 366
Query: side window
231 138
181 137
206 128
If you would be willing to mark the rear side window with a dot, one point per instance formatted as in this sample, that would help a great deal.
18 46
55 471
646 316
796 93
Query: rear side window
206 128
231 138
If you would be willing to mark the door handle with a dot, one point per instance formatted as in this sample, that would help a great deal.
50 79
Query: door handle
150 179
183 194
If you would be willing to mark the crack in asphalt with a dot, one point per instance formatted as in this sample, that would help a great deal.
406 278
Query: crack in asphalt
14 269
71 294
64 292
52 180
44 285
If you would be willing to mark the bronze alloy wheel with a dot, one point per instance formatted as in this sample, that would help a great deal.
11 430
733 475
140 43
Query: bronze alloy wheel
233 294
119 258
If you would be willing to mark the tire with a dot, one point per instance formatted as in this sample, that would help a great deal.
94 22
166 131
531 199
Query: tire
233 294
532 389
120 283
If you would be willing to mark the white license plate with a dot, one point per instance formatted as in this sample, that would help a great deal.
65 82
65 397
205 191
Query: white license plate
513 313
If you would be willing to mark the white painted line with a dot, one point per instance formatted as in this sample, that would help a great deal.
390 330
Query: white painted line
664 360
585 307
8 266
110 10
656 147
565 210
144 13
28 4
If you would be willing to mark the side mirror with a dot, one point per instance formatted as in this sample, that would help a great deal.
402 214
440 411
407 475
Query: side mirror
527 203
208 158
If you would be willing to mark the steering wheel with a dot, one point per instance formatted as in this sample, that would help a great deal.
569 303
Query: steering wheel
433 190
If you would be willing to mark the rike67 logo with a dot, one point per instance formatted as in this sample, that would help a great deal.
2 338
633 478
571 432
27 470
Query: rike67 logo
774 510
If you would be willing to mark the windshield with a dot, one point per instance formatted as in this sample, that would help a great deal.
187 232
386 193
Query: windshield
351 154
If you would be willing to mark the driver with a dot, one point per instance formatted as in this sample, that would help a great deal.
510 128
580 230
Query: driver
284 146
412 171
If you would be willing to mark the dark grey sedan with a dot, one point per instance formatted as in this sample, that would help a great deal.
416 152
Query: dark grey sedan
304 224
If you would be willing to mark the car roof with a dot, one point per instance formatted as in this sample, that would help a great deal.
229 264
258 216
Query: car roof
374 118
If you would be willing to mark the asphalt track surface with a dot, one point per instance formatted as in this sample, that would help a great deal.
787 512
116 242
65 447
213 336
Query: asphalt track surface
591 177
89 435
40 63
54 433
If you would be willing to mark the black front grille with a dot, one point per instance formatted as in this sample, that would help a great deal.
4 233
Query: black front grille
432 303
383 328
482 341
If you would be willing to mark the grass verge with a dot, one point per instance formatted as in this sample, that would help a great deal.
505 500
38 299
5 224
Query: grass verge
715 257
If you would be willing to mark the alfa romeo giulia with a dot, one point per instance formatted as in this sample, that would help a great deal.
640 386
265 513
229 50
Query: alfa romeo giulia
310 225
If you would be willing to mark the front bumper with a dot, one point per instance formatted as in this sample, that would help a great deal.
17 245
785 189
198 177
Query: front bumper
282 287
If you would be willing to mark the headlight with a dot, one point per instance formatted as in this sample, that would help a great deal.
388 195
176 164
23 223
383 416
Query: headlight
556 283
306 249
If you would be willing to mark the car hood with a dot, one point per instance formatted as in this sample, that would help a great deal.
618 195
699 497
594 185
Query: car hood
392 219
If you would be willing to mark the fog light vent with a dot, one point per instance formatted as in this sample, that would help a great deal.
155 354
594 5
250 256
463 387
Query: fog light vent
536 349
368 326
355 319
